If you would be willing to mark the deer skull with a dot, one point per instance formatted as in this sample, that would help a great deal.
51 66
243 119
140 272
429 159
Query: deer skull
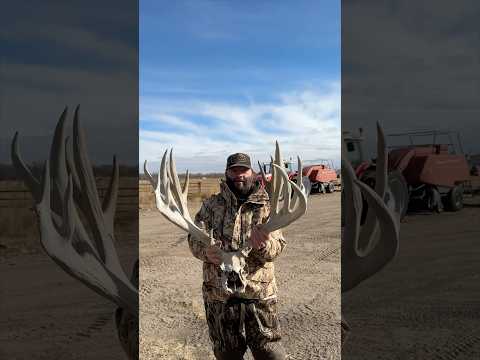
234 278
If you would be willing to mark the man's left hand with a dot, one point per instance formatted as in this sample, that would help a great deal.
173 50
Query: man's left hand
258 238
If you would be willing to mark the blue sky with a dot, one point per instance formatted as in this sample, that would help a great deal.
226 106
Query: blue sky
217 77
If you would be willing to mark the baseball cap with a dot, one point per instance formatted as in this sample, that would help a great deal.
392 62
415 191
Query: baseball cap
239 159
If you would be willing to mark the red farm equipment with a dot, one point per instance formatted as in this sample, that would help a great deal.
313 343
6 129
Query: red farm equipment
365 171
322 175
427 169
318 177
434 166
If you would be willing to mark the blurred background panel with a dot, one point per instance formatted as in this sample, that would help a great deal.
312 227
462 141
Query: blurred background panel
57 54
412 67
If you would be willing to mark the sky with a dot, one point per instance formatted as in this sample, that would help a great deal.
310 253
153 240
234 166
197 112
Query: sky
420 72
63 54
218 77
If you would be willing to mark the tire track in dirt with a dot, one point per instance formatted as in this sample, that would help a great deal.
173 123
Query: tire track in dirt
463 347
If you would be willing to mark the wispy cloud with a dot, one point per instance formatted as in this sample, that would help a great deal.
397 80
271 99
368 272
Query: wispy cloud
237 78
305 122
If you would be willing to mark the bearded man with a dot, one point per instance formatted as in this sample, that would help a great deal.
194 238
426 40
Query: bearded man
250 318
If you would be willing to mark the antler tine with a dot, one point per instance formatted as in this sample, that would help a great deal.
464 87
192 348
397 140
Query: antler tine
276 179
71 167
176 189
90 202
171 199
285 209
296 198
278 156
58 160
163 183
24 172
149 176
262 172
185 184
300 174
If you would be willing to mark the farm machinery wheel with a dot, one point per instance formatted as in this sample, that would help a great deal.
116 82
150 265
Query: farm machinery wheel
321 188
330 188
454 200
399 189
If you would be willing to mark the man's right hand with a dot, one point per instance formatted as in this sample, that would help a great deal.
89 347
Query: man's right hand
214 254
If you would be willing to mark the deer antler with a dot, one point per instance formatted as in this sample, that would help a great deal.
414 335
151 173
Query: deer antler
171 198
367 249
68 187
287 207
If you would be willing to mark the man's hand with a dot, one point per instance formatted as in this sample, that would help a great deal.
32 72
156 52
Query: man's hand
214 254
258 238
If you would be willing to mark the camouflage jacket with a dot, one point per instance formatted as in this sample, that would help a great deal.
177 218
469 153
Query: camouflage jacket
232 224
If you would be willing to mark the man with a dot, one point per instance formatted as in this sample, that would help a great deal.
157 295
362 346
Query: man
250 320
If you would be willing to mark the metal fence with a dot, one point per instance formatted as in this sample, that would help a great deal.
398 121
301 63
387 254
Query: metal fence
17 217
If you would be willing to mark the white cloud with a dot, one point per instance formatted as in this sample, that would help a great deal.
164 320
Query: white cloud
306 123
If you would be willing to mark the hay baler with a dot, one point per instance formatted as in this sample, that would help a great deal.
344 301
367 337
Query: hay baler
427 169
434 166
322 176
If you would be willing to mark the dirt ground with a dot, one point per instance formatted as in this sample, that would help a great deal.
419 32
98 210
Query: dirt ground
308 273
46 312
424 305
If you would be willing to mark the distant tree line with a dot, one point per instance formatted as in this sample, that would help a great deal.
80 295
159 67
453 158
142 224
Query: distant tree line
182 176
8 172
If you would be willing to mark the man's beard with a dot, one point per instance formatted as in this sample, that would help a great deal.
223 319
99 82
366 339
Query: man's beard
241 189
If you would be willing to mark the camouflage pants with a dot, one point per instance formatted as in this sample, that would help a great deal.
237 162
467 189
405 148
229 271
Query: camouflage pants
236 324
